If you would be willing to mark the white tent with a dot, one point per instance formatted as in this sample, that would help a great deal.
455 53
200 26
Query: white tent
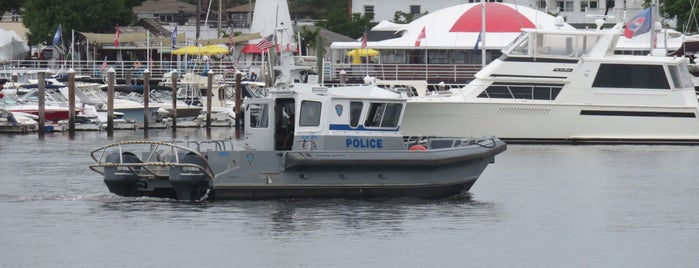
458 27
12 47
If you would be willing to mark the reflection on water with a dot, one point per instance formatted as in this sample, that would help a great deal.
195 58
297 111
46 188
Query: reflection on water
537 205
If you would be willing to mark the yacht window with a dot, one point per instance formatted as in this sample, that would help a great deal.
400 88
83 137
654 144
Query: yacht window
355 113
680 76
310 114
519 46
259 116
522 91
383 115
631 76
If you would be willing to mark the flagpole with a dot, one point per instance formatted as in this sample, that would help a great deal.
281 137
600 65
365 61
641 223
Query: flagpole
483 31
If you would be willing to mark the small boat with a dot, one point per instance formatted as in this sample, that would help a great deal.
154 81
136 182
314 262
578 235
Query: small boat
303 141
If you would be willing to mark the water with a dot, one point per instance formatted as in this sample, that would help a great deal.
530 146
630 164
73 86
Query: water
537 206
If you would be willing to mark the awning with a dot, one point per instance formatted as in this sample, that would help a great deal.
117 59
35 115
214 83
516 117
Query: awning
132 37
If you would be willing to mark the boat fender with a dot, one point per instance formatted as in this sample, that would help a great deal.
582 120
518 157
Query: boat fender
418 147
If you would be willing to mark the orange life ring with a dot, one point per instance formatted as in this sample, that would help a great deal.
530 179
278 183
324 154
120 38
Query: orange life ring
418 147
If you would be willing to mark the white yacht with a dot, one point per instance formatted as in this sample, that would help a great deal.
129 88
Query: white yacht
566 86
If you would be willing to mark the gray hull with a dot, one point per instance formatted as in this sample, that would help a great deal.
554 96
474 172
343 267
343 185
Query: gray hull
250 174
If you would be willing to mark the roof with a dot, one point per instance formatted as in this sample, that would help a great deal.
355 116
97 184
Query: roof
241 8
328 36
459 26
164 6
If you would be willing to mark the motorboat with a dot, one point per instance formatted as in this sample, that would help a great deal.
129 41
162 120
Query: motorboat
303 140
17 122
566 86
56 106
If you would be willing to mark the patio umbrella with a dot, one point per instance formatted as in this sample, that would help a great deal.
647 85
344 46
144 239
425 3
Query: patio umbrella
357 53
191 50
363 52
214 50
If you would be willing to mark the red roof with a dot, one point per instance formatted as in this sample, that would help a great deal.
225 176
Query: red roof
498 18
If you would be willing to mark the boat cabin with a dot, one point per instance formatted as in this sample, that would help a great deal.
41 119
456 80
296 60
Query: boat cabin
319 118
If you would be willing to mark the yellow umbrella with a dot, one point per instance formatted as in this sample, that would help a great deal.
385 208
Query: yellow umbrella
191 50
363 52
357 53
214 50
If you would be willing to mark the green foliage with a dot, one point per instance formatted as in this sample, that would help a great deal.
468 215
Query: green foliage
9 5
309 36
686 16
402 17
315 9
42 17
352 26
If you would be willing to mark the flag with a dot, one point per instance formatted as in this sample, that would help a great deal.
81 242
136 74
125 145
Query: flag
420 37
58 41
104 65
230 40
265 43
364 40
173 36
638 24
116 37
58 36
475 47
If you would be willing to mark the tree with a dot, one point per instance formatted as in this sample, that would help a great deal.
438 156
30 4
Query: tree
353 26
686 16
42 17
9 5
308 38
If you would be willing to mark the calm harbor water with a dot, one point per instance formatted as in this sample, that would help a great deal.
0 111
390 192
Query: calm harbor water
536 206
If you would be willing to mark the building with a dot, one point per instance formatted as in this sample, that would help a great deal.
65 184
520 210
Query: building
574 11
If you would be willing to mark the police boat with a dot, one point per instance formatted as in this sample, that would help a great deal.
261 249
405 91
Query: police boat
303 140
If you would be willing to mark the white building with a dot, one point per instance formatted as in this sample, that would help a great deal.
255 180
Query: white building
574 11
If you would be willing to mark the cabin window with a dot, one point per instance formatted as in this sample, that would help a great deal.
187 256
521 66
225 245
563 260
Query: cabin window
383 115
631 76
680 76
310 114
414 9
355 113
522 91
519 46
259 115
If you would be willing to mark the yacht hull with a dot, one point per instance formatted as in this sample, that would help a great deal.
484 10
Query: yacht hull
553 123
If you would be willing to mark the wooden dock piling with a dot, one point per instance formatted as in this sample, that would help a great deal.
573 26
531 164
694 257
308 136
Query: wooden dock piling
146 99
71 103
209 93
41 77
111 75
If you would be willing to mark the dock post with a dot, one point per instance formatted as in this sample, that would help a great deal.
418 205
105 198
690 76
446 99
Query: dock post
41 77
71 103
209 76
146 99
238 95
173 78
111 76
127 78
343 77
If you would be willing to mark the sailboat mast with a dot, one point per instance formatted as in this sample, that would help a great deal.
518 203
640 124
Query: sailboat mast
482 34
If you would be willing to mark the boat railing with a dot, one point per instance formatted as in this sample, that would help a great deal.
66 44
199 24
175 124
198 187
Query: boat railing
156 157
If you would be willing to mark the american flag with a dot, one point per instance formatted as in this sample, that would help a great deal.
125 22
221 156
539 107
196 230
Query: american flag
265 43
364 40
116 37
